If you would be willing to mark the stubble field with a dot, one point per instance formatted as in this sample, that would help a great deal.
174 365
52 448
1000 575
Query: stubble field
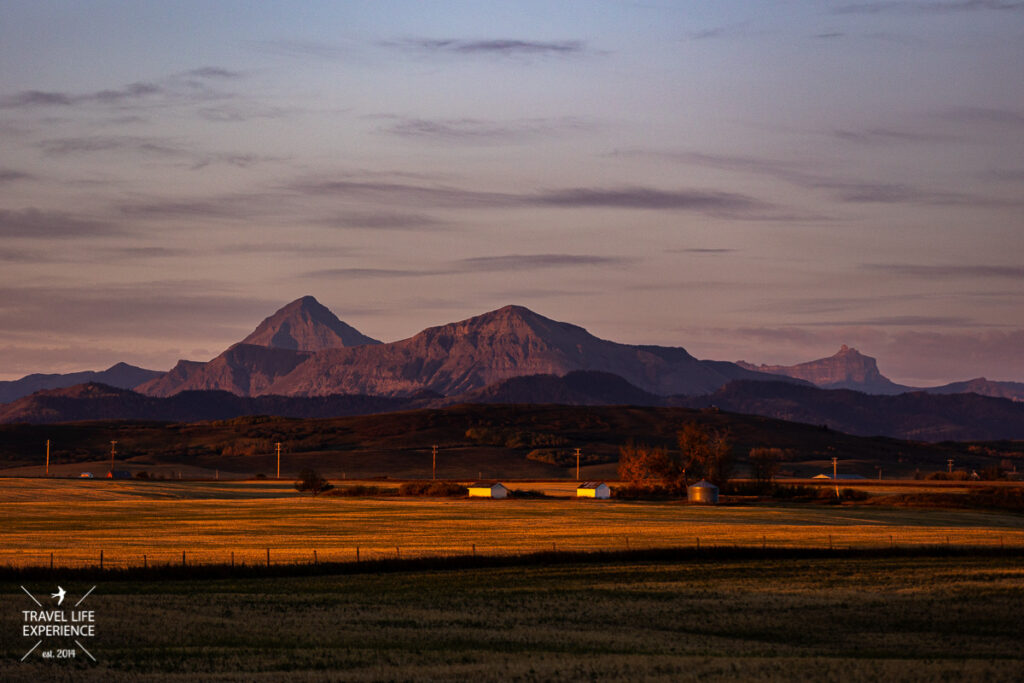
153 522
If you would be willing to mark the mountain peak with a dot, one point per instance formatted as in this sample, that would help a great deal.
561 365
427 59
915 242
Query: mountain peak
306 325
847 369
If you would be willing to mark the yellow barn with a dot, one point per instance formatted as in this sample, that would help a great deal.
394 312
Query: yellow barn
496 490
593 489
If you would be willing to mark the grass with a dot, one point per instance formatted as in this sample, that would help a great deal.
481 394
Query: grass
904 618
133 522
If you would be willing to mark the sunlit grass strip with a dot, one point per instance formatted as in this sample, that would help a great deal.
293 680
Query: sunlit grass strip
379 563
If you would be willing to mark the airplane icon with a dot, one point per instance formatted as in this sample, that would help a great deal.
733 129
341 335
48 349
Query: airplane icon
59 595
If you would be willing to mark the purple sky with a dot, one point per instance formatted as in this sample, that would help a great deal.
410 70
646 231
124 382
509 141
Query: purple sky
747 180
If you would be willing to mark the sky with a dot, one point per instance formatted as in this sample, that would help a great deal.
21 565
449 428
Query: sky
747 180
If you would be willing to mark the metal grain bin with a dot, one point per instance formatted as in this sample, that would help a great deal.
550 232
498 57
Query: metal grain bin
703 492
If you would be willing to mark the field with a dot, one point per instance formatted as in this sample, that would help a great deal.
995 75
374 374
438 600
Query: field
135 522
910 619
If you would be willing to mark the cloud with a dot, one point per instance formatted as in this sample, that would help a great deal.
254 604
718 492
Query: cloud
649 198
213 72
927 6
107 143
901 321
37 98
503 47
850 191
479 130
383 220
48 224
536 261
947 271
8 175
886 136
636 198
129 92
302 49
228 206
1015 175
704 250
479 264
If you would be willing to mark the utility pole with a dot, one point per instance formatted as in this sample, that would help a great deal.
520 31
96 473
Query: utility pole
113 451
835 476
47 457
949 465
433 467
278 459
577 464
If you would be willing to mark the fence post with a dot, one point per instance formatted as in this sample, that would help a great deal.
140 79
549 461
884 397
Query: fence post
357 553
268 557
101 559
232 559
398 552
145 563
182 558
315 561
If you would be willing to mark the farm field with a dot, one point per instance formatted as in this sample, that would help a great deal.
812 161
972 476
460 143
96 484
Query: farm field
135 522
899 618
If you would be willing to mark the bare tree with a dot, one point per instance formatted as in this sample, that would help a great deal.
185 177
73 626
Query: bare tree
312 481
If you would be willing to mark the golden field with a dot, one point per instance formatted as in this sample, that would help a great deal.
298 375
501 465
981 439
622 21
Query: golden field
133 522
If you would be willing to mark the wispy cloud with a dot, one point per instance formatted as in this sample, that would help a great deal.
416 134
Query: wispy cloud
8 175
536 261
479 264
106 143
213 72
384 220
237 207
704 250
928 6
636 198
37 98
948 271
850 191
475 131
48 224
494 46
887 136
303 49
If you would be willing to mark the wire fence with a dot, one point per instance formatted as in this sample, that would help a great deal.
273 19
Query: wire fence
248 557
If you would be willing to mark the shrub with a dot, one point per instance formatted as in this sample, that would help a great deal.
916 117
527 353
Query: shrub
361 490
432 488
312 481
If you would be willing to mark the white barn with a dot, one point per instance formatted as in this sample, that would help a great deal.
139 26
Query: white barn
496 490
593 489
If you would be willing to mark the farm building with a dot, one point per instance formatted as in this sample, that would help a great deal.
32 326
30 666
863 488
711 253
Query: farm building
838 476
86 475
702 492
119 474
593 489
495 490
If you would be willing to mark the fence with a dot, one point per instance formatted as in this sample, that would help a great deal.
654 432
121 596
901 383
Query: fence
106 560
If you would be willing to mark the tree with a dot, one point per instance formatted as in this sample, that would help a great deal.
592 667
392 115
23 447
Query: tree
312 481
706 454
764 462
644 465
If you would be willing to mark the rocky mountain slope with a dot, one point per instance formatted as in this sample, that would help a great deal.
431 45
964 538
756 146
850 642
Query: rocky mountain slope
306 325
847 369
449 360
120 375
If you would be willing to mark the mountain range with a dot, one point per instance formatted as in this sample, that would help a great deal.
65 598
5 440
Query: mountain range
303 361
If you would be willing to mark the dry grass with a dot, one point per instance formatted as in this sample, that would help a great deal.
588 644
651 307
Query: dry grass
75 520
